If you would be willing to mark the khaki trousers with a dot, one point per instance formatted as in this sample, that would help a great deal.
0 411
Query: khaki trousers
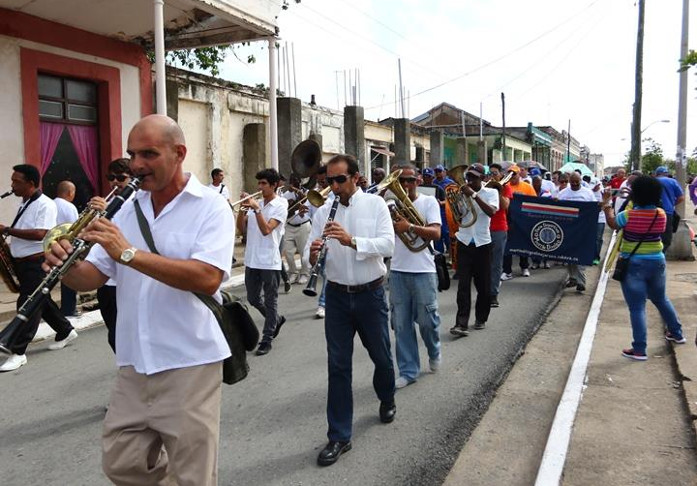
163 429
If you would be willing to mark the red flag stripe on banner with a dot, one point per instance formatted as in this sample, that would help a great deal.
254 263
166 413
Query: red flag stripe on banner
529 207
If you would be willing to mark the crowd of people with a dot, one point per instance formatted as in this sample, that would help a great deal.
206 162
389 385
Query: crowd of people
171 241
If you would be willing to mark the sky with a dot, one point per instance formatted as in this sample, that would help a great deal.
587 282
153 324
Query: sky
558 62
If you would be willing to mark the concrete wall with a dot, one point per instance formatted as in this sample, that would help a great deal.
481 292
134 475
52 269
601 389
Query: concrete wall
11 126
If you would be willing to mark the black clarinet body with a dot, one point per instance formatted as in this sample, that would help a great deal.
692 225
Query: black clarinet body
311 288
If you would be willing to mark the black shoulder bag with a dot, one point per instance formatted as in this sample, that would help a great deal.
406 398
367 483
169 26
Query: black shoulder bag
233 317
441 269
622 264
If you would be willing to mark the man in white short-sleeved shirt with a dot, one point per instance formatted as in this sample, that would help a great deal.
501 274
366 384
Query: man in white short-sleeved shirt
169 344
414 283
35 217
474 254
217 176
263 223
67 214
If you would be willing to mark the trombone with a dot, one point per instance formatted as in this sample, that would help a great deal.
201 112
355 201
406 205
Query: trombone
256 195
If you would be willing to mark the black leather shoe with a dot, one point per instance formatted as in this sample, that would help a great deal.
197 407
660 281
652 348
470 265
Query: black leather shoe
263 348
330 454
387 412
280 322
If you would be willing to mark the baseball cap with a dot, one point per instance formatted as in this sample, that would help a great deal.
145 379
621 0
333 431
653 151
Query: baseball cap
661 169
514 168
476 169
427 171
535 171
439 168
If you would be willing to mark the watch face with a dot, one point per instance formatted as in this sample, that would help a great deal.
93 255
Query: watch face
127 255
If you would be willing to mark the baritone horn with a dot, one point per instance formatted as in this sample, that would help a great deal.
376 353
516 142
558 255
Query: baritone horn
400 205
461 207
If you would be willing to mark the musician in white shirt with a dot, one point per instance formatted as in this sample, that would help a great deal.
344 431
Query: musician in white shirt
297 232
474 254
170 346
35 217
217 176
414 284
67 214
359 238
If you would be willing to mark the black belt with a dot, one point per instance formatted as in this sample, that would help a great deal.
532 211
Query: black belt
298 225
354 289
31 258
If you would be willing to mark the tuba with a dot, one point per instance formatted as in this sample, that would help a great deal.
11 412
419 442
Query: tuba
400 205
305 161
460 206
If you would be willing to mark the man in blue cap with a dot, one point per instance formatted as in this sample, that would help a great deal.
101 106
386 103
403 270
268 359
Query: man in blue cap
672 196
442 180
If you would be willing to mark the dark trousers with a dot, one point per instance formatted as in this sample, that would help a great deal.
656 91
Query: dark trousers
106 296
30 276
508 263
667 236
473 263
364 313
255 280
68 301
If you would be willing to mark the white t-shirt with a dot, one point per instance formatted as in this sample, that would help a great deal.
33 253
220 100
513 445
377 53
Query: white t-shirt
582 194
222 190
67 212
479 231
160 327
297 219
262 252
40 214
405 260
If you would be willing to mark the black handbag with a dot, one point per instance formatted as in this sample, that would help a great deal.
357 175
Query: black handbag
622 264
241 334
442 271
675 222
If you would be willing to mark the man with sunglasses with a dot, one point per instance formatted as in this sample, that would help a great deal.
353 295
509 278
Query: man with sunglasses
474 254
263 222
358 239
414 284
118 175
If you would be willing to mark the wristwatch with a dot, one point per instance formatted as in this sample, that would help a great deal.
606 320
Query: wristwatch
354 243
127 255
475 195
6 232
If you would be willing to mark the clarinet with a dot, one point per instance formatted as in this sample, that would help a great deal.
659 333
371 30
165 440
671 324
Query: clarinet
80 248
311 288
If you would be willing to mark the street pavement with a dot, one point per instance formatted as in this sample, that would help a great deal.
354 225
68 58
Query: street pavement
273 423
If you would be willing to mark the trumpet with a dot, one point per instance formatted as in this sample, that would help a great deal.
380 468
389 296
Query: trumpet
80 248
256 195
69 231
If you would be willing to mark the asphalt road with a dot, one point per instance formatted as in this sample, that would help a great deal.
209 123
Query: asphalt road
273 424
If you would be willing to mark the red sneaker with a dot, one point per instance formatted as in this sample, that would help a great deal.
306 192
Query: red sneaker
631 354
672 338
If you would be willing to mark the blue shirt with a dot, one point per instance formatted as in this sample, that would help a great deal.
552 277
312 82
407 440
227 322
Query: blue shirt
671 192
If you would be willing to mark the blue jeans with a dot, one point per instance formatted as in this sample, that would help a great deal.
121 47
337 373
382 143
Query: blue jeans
321 302
365 313
414 299
647 278
498 248
599 240
256 280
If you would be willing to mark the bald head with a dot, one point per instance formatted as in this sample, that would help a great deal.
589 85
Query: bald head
66 190
575 181
164 126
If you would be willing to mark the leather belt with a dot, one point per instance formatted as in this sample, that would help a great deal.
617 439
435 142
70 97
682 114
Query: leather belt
30 258
354 289
298 225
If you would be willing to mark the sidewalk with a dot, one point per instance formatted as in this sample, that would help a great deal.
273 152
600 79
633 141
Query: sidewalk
636 421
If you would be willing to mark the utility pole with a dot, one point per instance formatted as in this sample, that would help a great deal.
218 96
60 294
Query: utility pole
635 151
568 142
503 131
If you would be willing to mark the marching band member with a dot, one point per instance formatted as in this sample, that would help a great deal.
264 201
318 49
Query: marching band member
518 186
474 254
296 234
360 236
67 214
499 233
163 421
35 217
414 286
263 225
217 176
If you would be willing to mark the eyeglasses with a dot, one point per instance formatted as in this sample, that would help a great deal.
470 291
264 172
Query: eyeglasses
118 177
409 180
340 179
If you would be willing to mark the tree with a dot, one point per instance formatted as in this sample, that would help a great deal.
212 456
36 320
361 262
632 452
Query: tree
653 157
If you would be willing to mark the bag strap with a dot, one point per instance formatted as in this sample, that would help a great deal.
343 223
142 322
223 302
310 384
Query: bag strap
34 197
643 236
210 302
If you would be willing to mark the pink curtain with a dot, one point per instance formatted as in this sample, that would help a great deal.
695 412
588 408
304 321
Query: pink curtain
50 134
86 145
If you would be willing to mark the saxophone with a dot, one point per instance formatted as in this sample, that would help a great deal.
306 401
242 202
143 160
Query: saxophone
7 263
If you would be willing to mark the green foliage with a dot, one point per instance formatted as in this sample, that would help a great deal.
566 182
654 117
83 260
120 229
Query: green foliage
207 59
653 157
689 61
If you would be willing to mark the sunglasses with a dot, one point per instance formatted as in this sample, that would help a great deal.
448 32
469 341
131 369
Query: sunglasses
340 179
410 180
118 177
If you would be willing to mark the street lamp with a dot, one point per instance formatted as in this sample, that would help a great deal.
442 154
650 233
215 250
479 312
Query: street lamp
653 123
